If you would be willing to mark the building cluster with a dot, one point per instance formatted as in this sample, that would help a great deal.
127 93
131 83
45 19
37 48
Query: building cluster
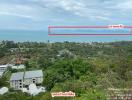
21 80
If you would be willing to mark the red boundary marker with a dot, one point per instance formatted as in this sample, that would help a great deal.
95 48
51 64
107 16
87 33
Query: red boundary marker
56 34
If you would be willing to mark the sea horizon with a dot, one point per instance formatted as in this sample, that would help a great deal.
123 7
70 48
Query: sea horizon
42 36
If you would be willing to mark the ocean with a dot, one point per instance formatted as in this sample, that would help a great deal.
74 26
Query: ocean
42 36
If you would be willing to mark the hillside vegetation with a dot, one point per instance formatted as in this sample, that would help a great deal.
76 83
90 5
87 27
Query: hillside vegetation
87 69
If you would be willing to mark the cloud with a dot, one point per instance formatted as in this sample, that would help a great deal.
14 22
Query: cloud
100 9
16 10
16 14
125 5
102 18
47 12
80 8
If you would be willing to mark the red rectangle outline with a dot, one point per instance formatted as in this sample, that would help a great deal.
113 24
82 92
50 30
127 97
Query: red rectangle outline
55 34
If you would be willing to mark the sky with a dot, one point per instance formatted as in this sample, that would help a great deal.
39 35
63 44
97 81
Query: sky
37 15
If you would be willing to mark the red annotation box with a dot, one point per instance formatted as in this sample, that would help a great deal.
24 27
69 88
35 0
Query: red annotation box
51 33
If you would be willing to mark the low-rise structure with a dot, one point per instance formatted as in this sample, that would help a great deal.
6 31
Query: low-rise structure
18 67
16 80
35 77
24 79
3 68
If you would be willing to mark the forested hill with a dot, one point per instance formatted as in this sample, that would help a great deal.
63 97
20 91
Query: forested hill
87 69
84 50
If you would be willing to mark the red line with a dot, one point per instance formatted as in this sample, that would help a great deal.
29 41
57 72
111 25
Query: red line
55 34
78 27
88 34
127 26
84 27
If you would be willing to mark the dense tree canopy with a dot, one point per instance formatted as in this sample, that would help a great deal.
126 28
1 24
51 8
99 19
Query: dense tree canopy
87 69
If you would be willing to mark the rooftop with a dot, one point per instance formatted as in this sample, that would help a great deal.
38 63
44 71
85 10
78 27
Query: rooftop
27 74
18 67
17 76
35 73
3 66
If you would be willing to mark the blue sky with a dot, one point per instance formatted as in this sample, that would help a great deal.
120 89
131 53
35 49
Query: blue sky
39 14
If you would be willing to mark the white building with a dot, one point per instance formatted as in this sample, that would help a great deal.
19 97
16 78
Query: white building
18 67
3 68
35 77
3 90
24 79
16 80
